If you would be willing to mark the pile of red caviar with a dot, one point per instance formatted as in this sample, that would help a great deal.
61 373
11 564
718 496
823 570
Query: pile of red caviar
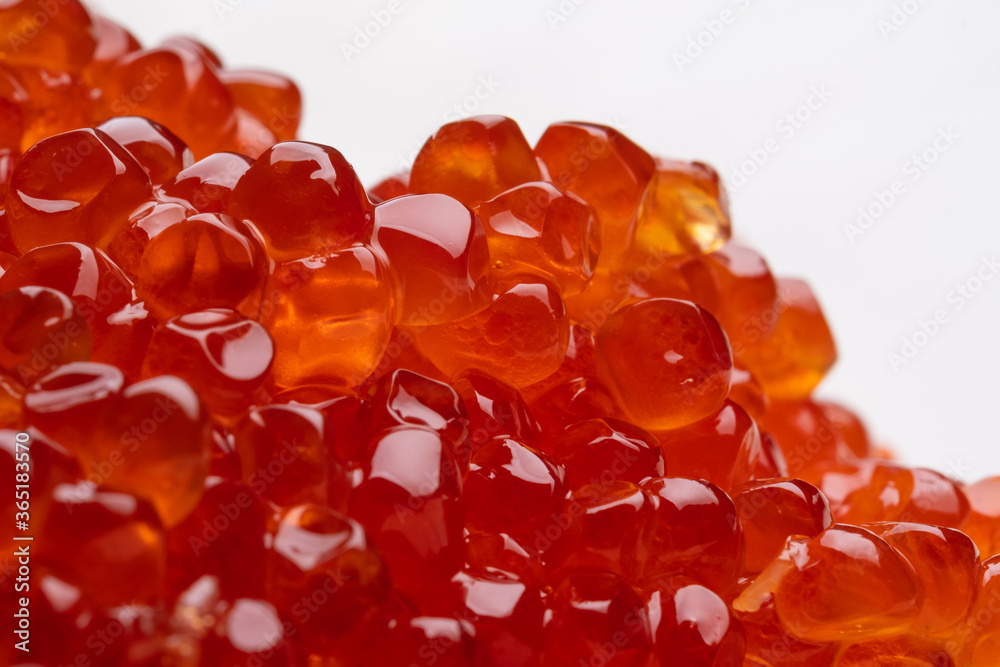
522 406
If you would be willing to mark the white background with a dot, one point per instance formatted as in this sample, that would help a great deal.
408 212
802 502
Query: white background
892 91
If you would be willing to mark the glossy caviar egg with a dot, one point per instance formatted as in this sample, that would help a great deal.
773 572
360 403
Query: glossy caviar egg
694 532
496 410
156 446
725 448
747 392
735 284
74 399
983 521
684 210
405 398
160 152
144 224
519 338
409 502
330 316
850 430
230 517
248 631
272 99
38 93
667 361
282 453
474 159
315 549
108 544
695 625
437 254
907 650
772 511
102 294
844 584
85 274
205 261
507 614
224 355
603 167
305 199
977 638
596 615
573 393
512 488
808 438
606 531
390 188
929 550
770 644
598 451
65 40
536 227
792 360
208 184
451 641
77 186
871 491
113 42
177 88
40 329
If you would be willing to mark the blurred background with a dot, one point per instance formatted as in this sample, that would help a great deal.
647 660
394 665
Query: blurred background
858 141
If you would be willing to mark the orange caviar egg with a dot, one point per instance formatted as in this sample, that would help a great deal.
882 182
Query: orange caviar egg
108 544
800 350
176 87
535 227
684 210
596 615
929 550
160 152
40 329
208 184
694 532
603 167
77 186
273 100
474 160
47 102
695 625
113 42
844 584
204 261
327 212
667 362
224 355
909 650
600 452
330 316
983 521
159 424
771 511
61 36
519 338
278 439
735 284
724 448
437 254
409 502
